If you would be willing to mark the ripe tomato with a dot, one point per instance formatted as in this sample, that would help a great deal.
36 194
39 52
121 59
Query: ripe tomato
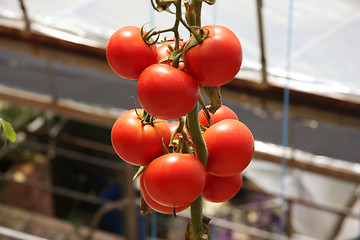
128 54
230 147
222 113
175 179
167 92
164 51
217 59
221 189
154 205
138 143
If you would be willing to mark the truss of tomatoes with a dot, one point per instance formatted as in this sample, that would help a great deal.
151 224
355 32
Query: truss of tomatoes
172 181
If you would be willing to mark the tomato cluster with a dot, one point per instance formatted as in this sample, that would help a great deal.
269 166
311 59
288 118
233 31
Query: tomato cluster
171 181
213 62
169 78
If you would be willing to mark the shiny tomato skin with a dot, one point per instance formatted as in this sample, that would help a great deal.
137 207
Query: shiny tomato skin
230 146
138 143
167 92
175 179
222 113
217 59
221 189
128 54
154 205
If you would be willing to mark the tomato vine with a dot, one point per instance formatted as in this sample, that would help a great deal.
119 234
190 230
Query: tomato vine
178 165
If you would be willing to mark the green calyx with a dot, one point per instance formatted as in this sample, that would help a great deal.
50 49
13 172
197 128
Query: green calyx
162 5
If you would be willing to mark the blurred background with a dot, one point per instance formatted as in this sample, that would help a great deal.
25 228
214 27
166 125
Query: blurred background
61 178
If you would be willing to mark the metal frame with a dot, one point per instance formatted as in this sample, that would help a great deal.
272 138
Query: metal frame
322 107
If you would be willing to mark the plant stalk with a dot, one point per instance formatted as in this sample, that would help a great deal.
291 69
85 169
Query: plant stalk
202 154
199 144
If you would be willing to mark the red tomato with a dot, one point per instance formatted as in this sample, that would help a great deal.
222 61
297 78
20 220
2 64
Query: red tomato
154 205
230 147
221 189
128 54
217 59
222 113
175 179
138 143
167 92
164 51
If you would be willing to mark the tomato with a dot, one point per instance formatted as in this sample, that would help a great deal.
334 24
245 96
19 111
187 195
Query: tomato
128 54
175 179
164 51
138 143
222 113
217 59
221 189
167 92
154 205
230 147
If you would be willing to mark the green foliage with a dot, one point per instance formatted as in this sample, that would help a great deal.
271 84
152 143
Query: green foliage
8 130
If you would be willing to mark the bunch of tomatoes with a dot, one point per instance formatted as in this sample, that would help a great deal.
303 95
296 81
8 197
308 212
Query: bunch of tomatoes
171 175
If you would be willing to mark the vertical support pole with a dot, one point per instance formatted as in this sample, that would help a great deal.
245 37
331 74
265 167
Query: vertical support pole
130 213
262 43
25 15
285 123
153 225
52 83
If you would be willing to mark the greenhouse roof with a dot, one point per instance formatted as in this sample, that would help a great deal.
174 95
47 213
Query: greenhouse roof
324 34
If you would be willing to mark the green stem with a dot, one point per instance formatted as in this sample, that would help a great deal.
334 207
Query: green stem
192 31
196 220
152 33
179 129
196 136
201 152
176 30
202 102
197 11
199 144
147 118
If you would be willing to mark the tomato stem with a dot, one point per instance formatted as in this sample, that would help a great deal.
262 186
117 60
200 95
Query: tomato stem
202 154
147 119
179 129
196 135
192 31
196 220
175 29
202 102
205 110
